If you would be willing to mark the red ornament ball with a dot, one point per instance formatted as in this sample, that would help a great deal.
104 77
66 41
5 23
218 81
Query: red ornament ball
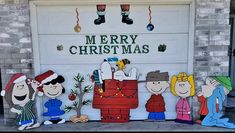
72 97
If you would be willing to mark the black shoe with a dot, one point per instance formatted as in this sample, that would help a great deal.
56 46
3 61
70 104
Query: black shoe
184 121
99 20
126 19
55 121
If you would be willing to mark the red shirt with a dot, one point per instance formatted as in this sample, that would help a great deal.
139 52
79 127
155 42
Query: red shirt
155 104
203 108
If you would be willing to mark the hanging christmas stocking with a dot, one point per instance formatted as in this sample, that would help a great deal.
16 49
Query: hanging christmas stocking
101 14
125 13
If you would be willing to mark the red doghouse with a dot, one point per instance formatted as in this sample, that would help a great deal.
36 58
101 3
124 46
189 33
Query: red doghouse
116 99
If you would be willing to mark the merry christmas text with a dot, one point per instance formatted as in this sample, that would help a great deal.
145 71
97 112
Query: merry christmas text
109 44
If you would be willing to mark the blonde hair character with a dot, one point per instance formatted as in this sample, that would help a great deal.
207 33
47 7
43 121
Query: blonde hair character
184 87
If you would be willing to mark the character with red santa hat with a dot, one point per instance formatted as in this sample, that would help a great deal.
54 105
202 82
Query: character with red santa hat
52 88
20 94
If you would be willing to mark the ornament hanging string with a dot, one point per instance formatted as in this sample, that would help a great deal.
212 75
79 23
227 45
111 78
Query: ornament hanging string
77 15
77 27
150 26
150 16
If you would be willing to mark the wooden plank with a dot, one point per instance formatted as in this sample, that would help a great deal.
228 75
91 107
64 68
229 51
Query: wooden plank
36 56
62 19
169 20
191 38
108 2
176 51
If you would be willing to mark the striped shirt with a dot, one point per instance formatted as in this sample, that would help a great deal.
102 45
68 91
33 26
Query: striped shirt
27 112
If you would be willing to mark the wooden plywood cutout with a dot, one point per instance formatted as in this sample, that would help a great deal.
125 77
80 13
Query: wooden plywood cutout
52 88
106 70
121 75
101 14
78 93
156 83
202 96
183 86
109 90
216 89
20 94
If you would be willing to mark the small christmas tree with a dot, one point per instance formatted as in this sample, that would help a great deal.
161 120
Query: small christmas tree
78 93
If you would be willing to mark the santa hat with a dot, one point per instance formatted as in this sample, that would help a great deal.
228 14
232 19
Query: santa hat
44 78
16 78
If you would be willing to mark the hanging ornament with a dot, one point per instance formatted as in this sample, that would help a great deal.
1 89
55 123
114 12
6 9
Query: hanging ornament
77 28
150 26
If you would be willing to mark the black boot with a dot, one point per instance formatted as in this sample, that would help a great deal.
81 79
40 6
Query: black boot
126 19
99 20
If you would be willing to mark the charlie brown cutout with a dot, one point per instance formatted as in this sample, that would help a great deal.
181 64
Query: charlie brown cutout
20 94
184 87
156 84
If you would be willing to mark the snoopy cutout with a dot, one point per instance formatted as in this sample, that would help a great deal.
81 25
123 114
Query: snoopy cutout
105 70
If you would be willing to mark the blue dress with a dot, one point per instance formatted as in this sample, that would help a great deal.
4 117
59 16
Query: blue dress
53 108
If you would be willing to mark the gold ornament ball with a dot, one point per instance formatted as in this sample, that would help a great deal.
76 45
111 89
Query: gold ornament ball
77 28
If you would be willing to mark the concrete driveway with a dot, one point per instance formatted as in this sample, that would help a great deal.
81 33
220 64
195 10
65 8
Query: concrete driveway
130 126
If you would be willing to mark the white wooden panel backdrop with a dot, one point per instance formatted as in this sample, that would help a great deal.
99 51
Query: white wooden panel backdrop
62 19
176 51
53 25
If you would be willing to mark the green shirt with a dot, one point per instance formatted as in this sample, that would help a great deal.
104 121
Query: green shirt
27 112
